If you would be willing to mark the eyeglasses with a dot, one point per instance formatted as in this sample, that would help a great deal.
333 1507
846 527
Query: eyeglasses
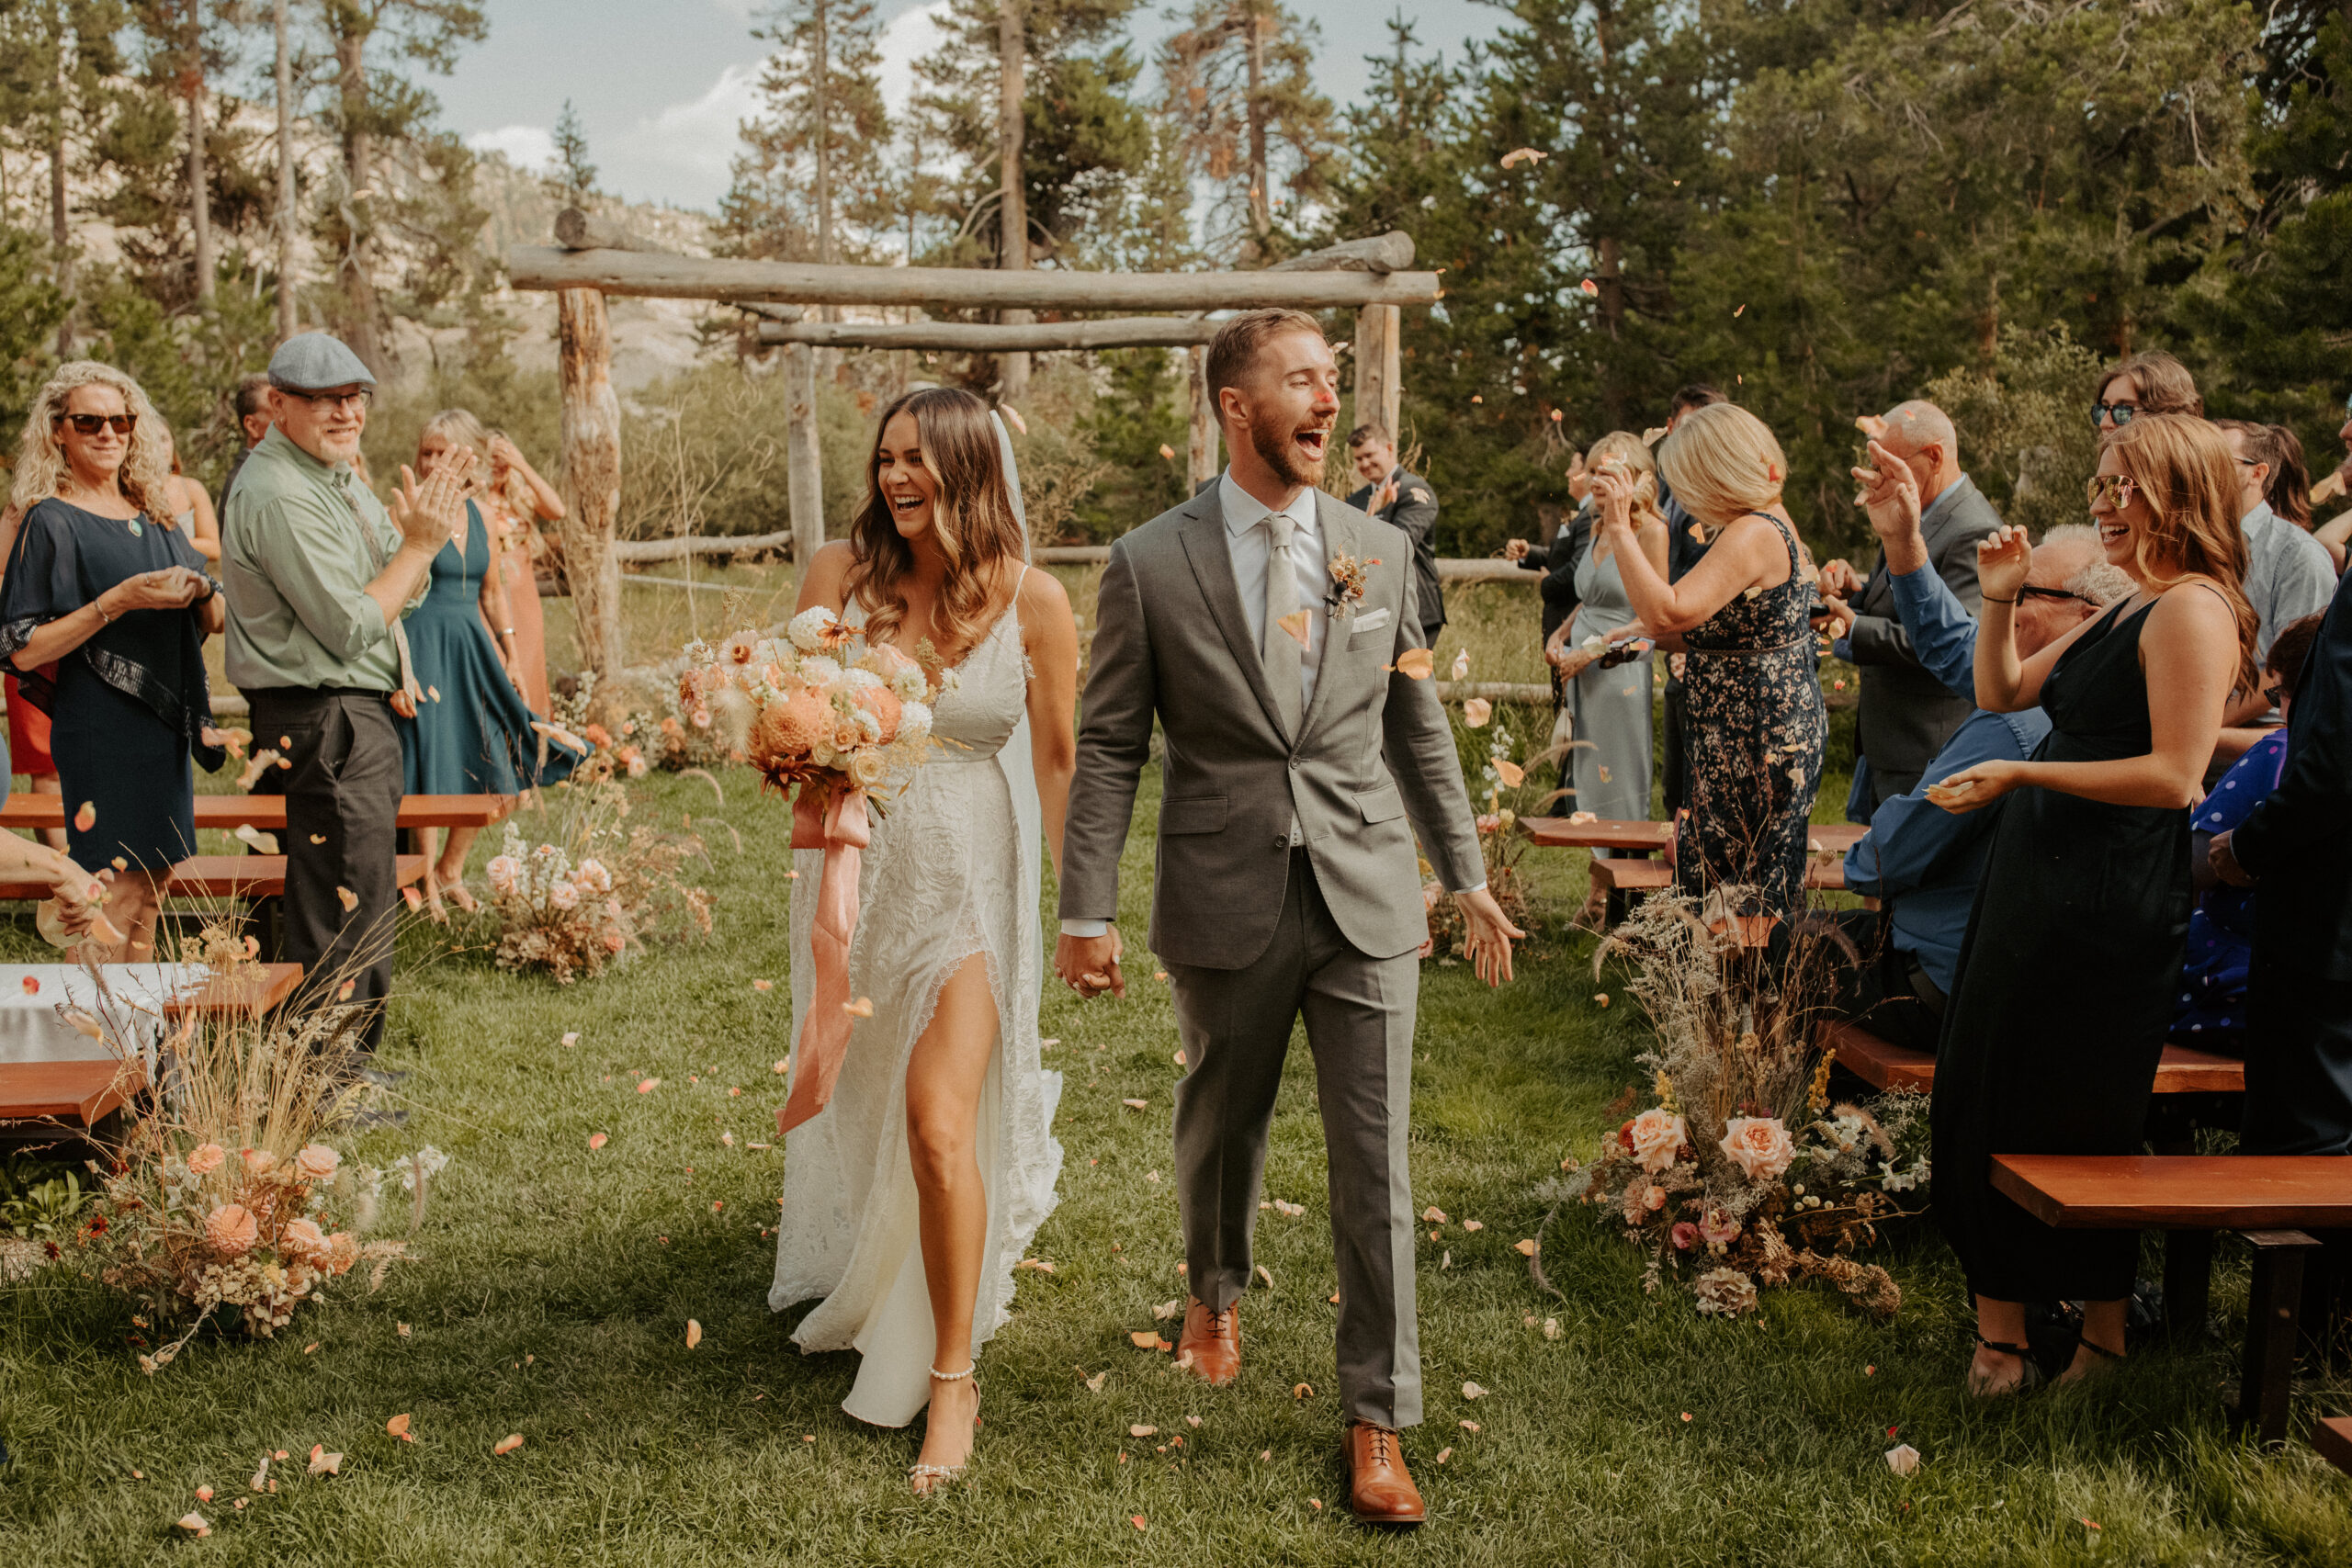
2118 414
2249 462
330 402
2117 489
2275 694
2030 591
91 423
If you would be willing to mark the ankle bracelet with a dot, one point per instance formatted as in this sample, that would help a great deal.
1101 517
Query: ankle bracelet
953 1377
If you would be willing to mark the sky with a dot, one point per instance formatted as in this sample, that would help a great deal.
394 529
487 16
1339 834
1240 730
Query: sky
661 88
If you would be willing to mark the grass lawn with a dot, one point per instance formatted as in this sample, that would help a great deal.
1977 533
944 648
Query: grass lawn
555 1285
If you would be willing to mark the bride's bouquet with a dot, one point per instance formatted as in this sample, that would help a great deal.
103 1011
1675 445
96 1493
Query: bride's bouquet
830 732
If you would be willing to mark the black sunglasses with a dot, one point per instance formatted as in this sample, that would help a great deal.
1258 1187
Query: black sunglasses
91 423
2116 413
2275 694
2028 591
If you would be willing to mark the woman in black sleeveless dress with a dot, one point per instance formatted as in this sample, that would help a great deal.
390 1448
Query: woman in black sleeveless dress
1755 720
2066 974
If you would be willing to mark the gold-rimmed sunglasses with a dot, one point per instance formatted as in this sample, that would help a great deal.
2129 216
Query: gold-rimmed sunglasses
2116 489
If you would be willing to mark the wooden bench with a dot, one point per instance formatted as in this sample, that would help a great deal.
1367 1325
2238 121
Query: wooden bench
1885 1065
1601 834
2270 1200
226 813
2332 1436
81 1094
222 876
1628 876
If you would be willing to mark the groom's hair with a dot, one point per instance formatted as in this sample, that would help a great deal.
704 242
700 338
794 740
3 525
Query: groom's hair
1238 342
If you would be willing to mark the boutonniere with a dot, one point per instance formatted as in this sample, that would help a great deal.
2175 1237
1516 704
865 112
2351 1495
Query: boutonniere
1348 575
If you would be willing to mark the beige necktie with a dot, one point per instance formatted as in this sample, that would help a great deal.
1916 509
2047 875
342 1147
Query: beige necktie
1285 651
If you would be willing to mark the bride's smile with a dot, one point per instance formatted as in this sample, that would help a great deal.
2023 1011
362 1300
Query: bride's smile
905 485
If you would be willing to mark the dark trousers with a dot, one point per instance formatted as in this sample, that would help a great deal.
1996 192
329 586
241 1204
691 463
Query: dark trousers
1882 988
1236 1027
342 803
2298 1063
1674 767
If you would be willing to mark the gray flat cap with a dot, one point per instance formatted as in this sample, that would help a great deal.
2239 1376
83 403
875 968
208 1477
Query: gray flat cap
311 362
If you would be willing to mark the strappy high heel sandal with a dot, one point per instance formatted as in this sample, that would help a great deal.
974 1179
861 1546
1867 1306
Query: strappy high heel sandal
2086 1342
939 1476
2028 1380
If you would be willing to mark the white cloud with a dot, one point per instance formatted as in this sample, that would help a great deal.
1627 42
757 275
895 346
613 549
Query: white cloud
908 37
696 139
530 147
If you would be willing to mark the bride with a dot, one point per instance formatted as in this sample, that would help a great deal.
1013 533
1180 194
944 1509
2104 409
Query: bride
910 1197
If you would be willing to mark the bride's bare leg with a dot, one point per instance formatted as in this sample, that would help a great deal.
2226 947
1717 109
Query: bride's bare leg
945 1075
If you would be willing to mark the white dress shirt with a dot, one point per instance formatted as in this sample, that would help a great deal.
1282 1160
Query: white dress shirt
1248 544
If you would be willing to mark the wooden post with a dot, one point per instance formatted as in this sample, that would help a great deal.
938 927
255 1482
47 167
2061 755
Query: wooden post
1379 385
592 477
1202 464
1013 208
805 482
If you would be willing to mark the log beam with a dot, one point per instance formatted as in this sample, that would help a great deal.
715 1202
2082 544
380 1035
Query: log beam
656 275
1391 251
1131 331
591 475
578 231
804 457
1379 384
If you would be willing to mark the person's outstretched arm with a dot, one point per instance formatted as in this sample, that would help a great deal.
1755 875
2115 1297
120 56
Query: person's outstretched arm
1113 743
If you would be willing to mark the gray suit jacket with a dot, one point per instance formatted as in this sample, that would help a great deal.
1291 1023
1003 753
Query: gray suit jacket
1375 753
1414 511
1906 715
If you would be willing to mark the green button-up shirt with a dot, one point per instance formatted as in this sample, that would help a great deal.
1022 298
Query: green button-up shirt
300 543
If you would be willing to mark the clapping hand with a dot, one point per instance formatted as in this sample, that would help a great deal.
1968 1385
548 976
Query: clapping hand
427 514
1515 549
1890 494
1383 498
2003 558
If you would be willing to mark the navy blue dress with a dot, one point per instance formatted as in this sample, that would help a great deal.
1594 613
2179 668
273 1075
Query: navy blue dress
127 708
477 737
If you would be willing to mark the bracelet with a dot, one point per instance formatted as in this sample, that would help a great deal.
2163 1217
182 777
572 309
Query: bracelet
506 631
1992 599
104 619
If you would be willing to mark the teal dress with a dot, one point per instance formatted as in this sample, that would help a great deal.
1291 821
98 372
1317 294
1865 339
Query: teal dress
476 739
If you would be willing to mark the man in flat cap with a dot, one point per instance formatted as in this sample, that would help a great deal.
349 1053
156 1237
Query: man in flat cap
318 575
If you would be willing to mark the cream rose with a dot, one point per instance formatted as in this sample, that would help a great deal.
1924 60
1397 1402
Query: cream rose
231 1228
1760 1145
206 1158
564 896
867 769
1657 1134
502 872
316 1162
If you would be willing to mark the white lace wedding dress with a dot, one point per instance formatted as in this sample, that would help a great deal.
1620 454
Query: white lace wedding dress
952 873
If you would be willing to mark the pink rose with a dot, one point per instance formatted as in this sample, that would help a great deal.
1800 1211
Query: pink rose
304 1241
232 1230
316 1162
564 896
1685 1234
1657 1135
206 1158
1760 1145
614 942
1717 1228
259 1162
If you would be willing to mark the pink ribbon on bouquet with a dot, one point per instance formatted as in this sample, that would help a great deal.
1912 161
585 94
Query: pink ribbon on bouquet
833 820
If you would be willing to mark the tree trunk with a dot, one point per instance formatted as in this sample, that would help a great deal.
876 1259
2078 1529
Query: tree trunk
199 193
285 316
1262 212
358 157
820 85
1012 209
591 478
61 233
1378 390
804 456
1201 464
1612 318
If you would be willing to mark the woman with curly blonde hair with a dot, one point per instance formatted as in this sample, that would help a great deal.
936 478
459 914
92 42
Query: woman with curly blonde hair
103 615
2069 970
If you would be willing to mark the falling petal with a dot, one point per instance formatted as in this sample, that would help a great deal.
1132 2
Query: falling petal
1477 711
649 1086
1741 311
1263 1273
1166 450
1510 773
1297 623
1519 155
1416 663
350 899
1462 665
862 1008
413 898
1014 415
1524 1249
1589 286
88 818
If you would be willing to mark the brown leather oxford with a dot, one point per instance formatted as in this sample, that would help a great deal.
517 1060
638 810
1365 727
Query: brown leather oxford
1210 1346
1380 1489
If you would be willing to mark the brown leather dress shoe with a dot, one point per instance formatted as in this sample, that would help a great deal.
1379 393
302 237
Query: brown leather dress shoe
1380 1489
1210 1348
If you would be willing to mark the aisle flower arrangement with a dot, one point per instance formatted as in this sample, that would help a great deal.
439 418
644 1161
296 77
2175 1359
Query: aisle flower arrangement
595 888
225 1199
1740 1173
1496 787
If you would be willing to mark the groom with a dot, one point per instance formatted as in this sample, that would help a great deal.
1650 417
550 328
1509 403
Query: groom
1262 622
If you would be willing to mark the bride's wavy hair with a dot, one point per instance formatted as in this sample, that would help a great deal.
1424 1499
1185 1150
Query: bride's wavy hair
972 519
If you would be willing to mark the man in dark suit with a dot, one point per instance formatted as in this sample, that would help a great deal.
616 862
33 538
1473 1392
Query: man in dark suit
1907 714
1406 501
2296 849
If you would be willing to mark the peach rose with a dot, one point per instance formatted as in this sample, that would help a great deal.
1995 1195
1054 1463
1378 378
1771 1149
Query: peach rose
231 1228
1654 1200
1656 1135
206 1158
316 1162
259 1162
1759 1145
304 1241
883 705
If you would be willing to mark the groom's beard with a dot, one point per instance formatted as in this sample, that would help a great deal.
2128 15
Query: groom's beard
1274 444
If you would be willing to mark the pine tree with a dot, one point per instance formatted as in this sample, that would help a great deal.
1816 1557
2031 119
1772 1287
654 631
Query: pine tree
574 179
1238 78
56 58
813 167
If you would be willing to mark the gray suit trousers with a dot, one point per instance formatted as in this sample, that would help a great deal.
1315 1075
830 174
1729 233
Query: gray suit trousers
1236 1026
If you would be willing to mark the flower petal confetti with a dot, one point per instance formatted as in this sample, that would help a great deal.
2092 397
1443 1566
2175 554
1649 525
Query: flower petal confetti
649 1086
350 899
1590 289
398 1425
1903 1458
1415 664
323 1462
88 818
1477 711
1519 155
693 1334
1142 1431
1473 1391
193 1523
597 1140
507 1444
1525 1248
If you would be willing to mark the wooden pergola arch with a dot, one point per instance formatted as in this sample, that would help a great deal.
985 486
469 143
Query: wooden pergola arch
595 257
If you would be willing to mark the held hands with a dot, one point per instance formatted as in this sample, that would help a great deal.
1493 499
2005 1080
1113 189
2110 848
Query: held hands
1089 964
2223 856
168 588
1890 495
1487 934
2003 558
1971 789
427 514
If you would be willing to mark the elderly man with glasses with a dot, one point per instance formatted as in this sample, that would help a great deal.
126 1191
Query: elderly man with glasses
1919 861
318 574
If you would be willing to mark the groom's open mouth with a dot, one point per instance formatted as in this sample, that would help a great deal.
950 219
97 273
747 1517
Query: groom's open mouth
1311 440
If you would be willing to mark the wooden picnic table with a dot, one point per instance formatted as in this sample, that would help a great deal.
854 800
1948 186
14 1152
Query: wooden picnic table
1885 1065
227 812
221 877
1651 837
